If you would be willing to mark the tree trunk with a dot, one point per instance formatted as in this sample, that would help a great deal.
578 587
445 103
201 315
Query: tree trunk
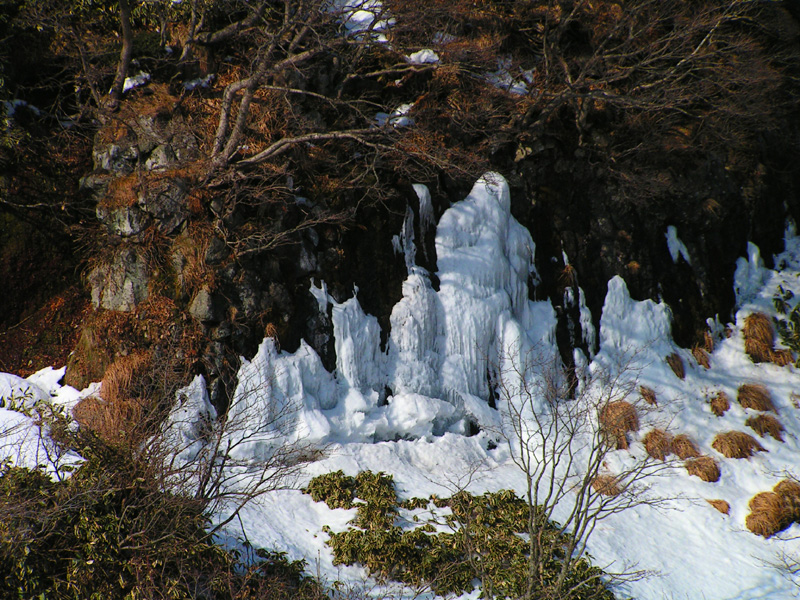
124 56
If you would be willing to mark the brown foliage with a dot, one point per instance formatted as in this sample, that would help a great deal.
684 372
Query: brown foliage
720 403
658 443
783 357
736 444
684 447
617 419
759 336
701 356
766 424
116 422
606 485
755 396
648 395
675 363
721 505
771 512
766 516
123 374
704 467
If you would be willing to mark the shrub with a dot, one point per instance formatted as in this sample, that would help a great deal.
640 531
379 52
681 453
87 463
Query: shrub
482 539
648 395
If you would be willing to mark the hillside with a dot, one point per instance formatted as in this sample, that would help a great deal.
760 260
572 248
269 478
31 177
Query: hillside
271 205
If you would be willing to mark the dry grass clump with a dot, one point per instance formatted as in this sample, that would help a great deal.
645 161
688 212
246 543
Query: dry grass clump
702 357
684 447
766 516
736 444
759 341
648 395
704 467
771 512
782 357
616 420
759 336
708 341
755 396
606 485
766 424
115 422
720 403
675 363
721 505
658 443
122 376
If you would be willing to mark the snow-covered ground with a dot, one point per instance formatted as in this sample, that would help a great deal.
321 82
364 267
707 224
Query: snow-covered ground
408 411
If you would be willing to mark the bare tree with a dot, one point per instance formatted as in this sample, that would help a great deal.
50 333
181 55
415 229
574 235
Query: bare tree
560 433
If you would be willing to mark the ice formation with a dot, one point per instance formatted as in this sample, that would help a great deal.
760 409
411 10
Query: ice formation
443 345
677 248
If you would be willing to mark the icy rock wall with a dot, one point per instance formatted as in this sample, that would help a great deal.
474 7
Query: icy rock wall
443 345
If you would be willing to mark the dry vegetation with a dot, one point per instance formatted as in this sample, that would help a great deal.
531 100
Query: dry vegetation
755 396
764 424
606 485
675 363
658 444
720 403
759 341
648 395
617 419
772 512
684 447
721 505
702 357
704 467
736 444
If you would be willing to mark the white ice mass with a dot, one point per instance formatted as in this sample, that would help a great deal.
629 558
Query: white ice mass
407 410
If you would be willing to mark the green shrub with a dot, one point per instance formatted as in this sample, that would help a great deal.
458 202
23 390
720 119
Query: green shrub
484 538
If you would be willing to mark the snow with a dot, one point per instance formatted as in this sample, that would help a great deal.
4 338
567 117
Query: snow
137 80
426 56
397 118
513 81
676 247
406 410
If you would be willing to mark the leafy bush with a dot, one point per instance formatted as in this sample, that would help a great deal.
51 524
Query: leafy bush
481 537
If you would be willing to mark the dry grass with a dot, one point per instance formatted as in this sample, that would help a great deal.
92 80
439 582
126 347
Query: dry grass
122 375
720 403
766 424
675 363
648 395
736 444
759 341
606 485
771 512
766 516
684 447
115 422
721 505
658 443
708 341
755 396
704 467
759 336
617 419
782 358
702 357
